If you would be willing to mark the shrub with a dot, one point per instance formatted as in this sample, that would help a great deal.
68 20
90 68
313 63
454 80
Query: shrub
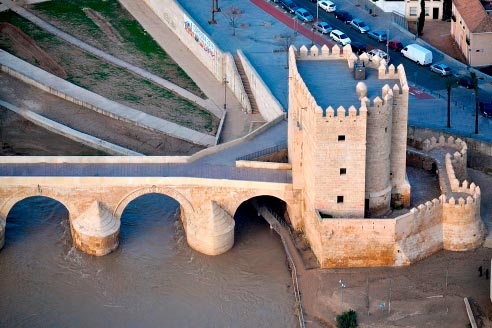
347 319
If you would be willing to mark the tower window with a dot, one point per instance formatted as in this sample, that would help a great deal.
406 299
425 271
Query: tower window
341 138
343 171
339 199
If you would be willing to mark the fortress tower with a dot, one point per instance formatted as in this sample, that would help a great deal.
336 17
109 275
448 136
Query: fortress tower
347 147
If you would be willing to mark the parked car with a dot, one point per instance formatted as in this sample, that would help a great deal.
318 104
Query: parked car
359 25
327 6
358 48
442 69
380 36
466 81
322 27
304 15
418 54
485 109
378 52
340 37
395 45
289 5
343 16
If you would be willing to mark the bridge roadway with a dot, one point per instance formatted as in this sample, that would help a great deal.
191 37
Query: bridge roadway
219 165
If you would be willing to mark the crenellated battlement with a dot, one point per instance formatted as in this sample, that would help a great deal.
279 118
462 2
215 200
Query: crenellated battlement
325 53
423 210
450 142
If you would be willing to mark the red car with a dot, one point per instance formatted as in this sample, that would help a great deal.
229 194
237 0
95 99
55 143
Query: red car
395 45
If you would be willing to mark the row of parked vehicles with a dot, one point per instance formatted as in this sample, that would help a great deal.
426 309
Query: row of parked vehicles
414 52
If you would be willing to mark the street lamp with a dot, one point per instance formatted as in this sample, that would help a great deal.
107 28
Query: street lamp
225 91
342 286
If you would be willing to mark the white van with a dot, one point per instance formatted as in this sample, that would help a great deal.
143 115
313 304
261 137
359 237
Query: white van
418 54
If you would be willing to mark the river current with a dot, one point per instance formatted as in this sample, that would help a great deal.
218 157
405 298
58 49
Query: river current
153 279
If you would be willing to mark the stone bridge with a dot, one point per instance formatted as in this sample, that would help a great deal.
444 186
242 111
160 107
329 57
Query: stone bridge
95 203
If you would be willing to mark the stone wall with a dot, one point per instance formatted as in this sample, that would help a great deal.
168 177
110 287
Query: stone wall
479 152
268 105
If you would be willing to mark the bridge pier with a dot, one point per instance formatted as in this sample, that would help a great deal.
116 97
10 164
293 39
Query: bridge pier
213 233
96 231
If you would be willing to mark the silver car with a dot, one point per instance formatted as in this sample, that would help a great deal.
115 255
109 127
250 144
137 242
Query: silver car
442 69
322 27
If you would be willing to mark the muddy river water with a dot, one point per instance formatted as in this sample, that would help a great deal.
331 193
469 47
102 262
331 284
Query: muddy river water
152 280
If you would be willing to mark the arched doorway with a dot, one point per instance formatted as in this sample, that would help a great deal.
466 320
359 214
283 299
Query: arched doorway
35 222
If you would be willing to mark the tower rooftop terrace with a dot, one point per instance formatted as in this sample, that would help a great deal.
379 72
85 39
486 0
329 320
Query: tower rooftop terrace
332 82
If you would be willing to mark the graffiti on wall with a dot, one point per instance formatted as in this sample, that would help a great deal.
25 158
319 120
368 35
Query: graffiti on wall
200 37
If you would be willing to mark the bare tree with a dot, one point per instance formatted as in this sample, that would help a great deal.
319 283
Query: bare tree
233 14
286 39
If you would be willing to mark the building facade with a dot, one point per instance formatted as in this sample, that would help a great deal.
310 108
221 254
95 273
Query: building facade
471 28
433 9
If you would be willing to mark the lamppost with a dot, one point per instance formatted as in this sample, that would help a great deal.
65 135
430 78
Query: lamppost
342 286
215 9
225 91
312 40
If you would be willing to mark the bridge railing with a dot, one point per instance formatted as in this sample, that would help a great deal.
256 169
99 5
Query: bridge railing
263 152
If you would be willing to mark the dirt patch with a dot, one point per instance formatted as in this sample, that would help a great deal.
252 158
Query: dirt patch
19 137
27 48
104 25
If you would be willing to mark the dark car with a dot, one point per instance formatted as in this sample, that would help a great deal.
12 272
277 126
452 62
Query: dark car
395 45
486 109
465 81
289 5
344 16
358 47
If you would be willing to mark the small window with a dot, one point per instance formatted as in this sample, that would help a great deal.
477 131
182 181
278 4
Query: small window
339 199
386 130
343 171
426 11
341 138
413 11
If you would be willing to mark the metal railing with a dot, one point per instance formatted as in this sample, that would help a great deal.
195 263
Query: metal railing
400 20
278 221
264 152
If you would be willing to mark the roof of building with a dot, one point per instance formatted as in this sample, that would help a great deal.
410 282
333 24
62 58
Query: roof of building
474 15
332 82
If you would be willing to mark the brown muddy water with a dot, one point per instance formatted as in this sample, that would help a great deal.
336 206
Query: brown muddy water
152 280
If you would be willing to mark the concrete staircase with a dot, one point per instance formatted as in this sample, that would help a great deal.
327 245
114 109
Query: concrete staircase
247 87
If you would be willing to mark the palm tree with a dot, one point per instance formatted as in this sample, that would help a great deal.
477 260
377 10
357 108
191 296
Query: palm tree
450 83
474 79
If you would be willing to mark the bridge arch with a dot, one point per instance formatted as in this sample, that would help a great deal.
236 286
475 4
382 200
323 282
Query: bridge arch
28 193
276 204
37 203
186 206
